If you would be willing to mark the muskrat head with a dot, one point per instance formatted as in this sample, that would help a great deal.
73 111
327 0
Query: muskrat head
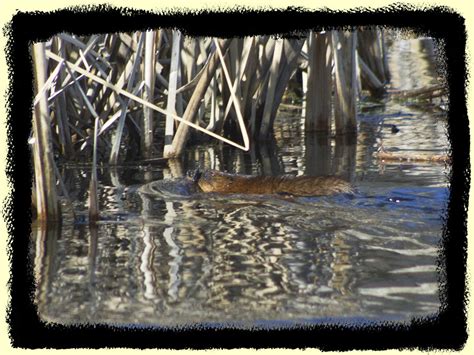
212 181
194 175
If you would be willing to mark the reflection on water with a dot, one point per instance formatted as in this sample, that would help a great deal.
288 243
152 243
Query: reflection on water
179 258
245 259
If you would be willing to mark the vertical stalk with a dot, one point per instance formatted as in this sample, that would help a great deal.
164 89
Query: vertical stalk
272 84
292 49
247 73
319 84
384 55
149 74
47 201
304 77
131 79
172 86
61 112
345 94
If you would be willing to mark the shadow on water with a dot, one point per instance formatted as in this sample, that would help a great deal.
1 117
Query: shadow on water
174 256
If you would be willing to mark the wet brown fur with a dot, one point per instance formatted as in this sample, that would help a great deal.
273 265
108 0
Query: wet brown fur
215 181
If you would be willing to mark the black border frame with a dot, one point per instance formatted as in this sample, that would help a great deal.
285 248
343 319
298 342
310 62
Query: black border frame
446 331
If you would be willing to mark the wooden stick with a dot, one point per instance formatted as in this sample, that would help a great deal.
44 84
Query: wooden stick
412 157
426 91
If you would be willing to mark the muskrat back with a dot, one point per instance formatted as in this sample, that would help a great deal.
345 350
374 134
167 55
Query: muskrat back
215 181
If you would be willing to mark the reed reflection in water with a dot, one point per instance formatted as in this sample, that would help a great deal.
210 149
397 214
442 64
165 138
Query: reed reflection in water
207 258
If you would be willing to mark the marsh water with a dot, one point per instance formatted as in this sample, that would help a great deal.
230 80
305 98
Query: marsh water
169 259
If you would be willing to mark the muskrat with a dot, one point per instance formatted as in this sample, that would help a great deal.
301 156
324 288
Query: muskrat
216 181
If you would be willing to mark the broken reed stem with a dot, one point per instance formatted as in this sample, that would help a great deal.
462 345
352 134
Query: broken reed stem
182 133
193 106
143 102
369 76
234 98
260 68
